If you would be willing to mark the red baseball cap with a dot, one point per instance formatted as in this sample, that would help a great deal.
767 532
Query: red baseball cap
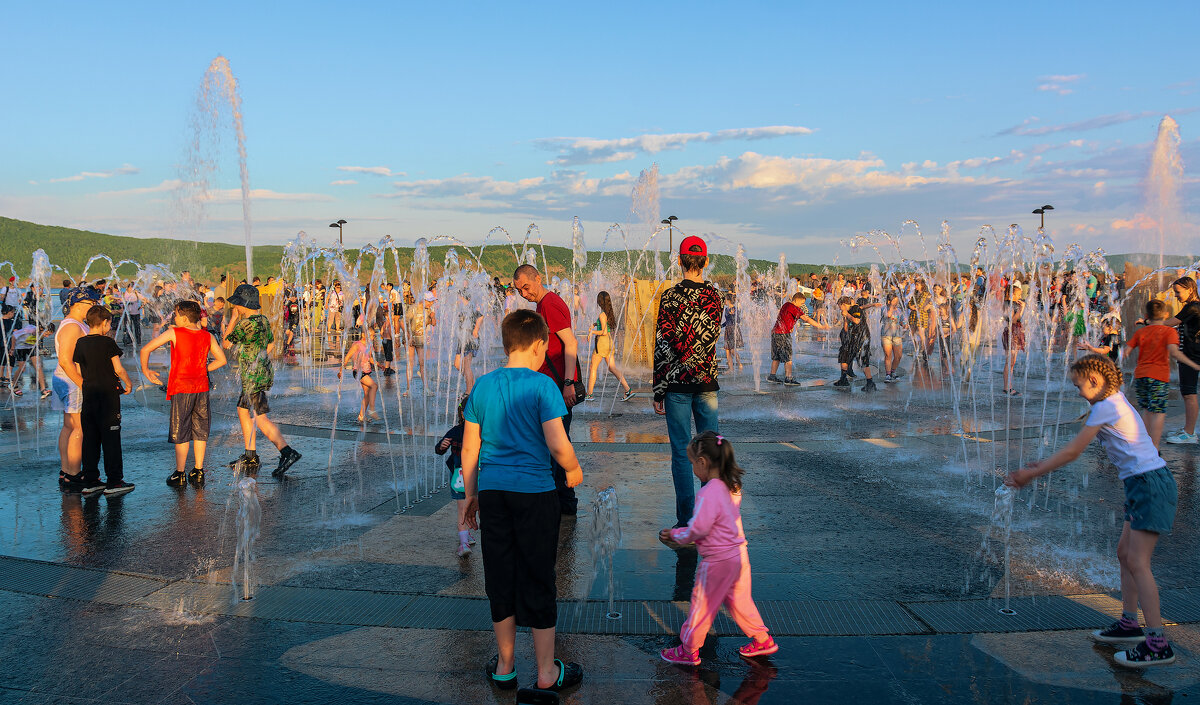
693 245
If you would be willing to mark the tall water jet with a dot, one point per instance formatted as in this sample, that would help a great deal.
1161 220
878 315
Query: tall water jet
643 205
1162 187
218 91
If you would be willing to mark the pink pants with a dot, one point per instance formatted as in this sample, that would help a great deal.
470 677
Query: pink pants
724 582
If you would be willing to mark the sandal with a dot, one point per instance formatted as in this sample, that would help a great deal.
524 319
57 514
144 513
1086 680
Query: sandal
508 681
569 675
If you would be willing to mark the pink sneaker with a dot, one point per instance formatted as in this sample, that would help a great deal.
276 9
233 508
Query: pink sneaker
680 656
759 648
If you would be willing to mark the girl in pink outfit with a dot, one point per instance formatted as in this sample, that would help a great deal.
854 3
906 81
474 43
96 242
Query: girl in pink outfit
723 576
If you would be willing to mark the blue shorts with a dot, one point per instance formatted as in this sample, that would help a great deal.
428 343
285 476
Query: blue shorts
67 397
1152 394
1150 500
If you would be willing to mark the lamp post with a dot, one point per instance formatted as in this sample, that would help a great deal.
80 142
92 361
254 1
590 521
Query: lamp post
1042 212
338 225
669 221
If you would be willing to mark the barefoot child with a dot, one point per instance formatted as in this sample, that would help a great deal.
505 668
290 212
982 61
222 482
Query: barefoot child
1150 497
512 427
1156 344
98 361
452 442
187 387
723 576
360 358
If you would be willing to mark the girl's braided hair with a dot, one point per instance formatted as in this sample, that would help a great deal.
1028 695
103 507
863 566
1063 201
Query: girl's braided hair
1103 366
719 452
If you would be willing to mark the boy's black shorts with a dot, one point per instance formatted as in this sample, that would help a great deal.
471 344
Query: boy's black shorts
855 351
190 420
255 401
519 534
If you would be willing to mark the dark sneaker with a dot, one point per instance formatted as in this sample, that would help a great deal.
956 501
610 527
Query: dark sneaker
240 459
869 386
287 458
91 487
70 483
850 374
1119 634
177 479
843 382
196 476
773 378
250 466
118 488
1142 656
791 382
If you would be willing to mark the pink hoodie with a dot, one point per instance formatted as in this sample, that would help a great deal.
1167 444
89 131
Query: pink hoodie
716 525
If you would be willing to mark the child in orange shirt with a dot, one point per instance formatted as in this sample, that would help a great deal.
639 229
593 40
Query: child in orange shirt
1156 345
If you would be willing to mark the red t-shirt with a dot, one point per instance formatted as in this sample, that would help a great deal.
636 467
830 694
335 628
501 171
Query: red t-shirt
189 362
788 315
558 316
1153 361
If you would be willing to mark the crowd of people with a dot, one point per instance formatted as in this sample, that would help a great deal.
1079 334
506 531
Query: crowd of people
513 467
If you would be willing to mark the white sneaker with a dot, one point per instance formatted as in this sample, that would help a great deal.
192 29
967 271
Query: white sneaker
1185 438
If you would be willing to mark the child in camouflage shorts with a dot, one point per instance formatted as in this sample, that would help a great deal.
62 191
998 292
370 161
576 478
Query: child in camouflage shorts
249 329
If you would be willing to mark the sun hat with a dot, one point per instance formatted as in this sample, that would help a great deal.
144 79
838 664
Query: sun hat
246 296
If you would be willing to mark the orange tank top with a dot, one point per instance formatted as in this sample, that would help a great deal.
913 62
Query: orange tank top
189 362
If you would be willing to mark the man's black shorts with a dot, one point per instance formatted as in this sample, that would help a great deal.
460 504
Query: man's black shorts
519 534
255 401
190 419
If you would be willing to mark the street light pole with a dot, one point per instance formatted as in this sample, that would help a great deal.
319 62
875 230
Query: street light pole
669 221
1042 212
338 225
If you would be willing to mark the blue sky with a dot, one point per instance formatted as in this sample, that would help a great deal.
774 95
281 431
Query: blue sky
789 127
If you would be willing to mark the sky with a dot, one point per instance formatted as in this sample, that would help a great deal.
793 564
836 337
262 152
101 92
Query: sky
787 127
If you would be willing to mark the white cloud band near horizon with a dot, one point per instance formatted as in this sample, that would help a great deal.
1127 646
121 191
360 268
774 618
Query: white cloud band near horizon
573 151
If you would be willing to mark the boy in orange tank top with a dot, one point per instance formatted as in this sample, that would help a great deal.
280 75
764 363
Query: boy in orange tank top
187 387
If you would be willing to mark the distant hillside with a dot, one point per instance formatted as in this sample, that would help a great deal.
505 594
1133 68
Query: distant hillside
71 249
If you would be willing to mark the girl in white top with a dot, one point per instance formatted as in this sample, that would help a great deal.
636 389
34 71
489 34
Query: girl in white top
1150 497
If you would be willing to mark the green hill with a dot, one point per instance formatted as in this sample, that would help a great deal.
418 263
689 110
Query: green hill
70 249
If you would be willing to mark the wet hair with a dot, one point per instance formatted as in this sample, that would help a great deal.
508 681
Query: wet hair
97 315
845 300
693 263
798 297
189 309
1188 285
719 452
526 271
1103 366
1155 310
604 301
521 329
66 283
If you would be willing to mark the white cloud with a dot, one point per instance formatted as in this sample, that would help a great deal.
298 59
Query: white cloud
123 170
586 150
1058 83
162 187
1096 123
376 170
343 182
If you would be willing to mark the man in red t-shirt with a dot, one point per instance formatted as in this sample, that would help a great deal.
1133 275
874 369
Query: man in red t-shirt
561 364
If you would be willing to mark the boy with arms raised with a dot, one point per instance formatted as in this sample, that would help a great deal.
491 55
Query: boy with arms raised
187 386
513 426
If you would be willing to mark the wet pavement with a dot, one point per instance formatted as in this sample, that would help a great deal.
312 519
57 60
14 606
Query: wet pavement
852 501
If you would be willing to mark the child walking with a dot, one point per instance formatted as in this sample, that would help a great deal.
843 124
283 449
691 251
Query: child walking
723 576
1150 497
512 427
187 387
360 358
605 348
98 361
249 329
1156 344
452 442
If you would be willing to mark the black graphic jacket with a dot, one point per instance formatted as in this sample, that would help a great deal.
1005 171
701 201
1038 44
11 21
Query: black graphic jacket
685 339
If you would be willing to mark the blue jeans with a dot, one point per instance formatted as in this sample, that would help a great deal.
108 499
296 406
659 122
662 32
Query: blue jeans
681 408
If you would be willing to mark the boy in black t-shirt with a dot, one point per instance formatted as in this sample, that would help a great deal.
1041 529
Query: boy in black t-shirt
856 343
99 361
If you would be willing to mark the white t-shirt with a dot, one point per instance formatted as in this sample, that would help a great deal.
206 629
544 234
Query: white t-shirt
25 337
133 304
1123 436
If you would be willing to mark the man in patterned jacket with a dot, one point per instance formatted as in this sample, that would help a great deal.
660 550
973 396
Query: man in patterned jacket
685 365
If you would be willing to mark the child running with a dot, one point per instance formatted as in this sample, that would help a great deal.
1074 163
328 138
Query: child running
187 387
855 343
360 358
723 576
103 380
249 329
452 442
781 337
1156 344
1150 497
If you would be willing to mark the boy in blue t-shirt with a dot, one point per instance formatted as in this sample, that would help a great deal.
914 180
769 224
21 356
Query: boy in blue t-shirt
513 426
